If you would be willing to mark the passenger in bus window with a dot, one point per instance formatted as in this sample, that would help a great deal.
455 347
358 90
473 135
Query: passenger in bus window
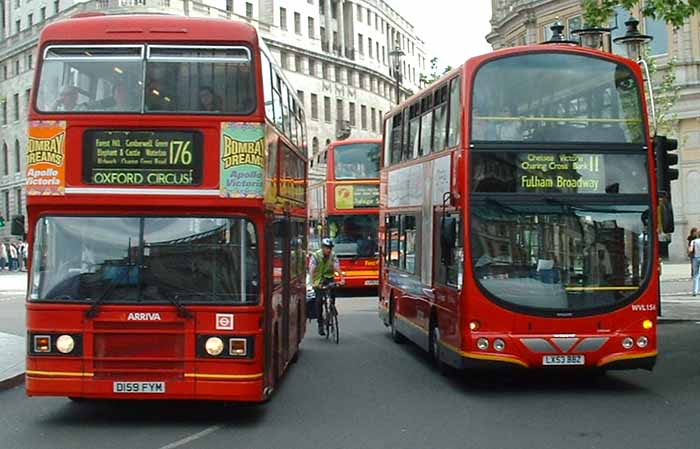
67 100
208 100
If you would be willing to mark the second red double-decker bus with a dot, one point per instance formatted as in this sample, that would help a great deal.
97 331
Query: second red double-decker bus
344 205
518 213
166 179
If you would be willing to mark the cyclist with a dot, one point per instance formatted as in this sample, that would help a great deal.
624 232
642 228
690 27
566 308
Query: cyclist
322 268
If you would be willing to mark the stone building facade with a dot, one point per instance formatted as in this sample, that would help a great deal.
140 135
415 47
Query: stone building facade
520 22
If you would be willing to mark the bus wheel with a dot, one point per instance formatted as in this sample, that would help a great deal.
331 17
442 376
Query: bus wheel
434 345
395 334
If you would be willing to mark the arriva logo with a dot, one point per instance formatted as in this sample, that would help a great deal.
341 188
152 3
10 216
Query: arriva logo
144 316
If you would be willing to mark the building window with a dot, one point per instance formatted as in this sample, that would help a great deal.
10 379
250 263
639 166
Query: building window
337 74
369 17
30 20
17 3
16 105
283 60
4 112
5 159
312 32
4 71
353 113
659 30
339 112
229 5
314 106
369 47
7 203
326 71
312 67
327 109
363 116
18 200
55 7
297 23
314 145
298 65
17 67
283 18
17 161
18 24
373 119
27 97
359 13
334 10
377 51
360 45
30 62
43 13
249 10
300 95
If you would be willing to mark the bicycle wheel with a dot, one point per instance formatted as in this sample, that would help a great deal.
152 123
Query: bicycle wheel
334 320
327 319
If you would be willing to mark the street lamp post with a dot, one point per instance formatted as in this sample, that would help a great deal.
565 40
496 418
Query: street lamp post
633 40
395 56
592 37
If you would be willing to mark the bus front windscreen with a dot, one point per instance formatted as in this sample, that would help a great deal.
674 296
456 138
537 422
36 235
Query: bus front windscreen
145 259
554 98
354 235
357 161
552 256
153 78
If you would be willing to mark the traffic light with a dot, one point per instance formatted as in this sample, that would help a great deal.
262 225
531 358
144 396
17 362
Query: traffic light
665 163
2 221
17 225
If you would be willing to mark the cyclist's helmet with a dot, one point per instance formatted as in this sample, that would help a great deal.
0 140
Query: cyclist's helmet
327 242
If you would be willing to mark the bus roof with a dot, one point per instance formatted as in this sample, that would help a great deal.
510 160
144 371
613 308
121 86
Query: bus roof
151 27
337 143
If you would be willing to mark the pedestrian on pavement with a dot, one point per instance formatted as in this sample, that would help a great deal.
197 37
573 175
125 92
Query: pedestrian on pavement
13 257
692 236
694 248
3 256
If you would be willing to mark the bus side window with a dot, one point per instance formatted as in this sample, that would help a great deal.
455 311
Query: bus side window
448 270
455 127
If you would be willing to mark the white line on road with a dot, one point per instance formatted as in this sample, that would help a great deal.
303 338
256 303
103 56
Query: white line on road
192 437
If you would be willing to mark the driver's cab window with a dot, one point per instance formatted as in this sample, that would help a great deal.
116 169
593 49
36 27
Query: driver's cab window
449 250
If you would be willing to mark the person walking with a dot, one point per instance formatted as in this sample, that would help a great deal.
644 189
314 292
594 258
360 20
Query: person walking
13 257
694 249
3 256
693 234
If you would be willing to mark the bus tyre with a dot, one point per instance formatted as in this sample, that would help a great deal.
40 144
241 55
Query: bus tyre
395 334
434 343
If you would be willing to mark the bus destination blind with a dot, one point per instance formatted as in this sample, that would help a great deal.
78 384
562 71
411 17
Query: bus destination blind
142 158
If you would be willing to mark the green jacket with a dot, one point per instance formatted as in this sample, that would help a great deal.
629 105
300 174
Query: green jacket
325 267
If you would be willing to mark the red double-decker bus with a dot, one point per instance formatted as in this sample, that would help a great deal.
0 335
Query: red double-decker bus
344 205
518 213
166 179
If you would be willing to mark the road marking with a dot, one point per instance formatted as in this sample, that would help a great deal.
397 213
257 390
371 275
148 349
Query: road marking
191 438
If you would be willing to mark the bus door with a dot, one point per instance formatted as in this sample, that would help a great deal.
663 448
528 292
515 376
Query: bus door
279 298
448 265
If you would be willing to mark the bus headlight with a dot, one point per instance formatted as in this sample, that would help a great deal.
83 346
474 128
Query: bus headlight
627 343
474 325
65 344
482 344
499 345
214 346
642 342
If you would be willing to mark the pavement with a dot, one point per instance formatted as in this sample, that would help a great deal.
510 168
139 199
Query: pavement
677 304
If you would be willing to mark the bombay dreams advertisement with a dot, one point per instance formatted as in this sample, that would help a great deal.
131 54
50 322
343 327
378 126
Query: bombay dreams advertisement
242 164
46 168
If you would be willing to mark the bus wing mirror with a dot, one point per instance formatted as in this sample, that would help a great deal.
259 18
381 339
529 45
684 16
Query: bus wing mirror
448 239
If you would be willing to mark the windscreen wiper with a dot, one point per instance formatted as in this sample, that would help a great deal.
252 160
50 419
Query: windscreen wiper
181 309
93 311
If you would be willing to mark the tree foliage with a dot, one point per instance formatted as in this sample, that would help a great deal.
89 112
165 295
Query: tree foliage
434 74
675 12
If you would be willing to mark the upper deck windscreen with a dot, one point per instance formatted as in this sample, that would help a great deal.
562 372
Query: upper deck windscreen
357 161
147 79
556 98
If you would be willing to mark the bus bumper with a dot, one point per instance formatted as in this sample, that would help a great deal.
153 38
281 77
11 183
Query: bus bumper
194 389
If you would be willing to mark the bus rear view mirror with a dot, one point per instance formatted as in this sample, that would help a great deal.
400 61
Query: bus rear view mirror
448 239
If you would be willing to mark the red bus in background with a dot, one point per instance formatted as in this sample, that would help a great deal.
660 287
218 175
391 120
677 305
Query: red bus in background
344 205
166 178
518 213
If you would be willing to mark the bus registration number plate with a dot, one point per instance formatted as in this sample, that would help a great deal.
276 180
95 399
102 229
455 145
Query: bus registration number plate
564 360
372 282
139 387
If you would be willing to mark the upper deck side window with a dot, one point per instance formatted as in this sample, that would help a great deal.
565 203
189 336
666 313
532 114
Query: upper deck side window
556 98
147 78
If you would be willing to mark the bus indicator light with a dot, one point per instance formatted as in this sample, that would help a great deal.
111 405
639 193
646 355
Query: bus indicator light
647 324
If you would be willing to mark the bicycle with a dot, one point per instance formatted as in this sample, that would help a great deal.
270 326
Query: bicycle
329 312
